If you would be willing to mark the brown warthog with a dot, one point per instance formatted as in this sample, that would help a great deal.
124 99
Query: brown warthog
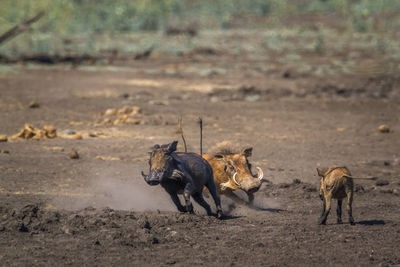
232 171
336 182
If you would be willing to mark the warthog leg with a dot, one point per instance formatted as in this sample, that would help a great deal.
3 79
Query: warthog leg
177 202
339 211
326 209
198 197
187 192
213 191
250 195
234 197
349 193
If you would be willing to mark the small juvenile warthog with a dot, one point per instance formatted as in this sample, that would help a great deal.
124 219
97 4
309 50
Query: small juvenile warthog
336 182
185 173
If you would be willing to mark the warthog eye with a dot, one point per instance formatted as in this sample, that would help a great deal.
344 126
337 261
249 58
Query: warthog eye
229 169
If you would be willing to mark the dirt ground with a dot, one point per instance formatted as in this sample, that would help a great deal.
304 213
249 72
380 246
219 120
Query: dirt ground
97 210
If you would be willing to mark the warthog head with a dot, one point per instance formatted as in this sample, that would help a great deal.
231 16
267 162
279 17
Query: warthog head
161 163
238 170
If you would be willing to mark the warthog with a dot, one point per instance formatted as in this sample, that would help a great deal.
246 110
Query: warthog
336 182
232 171
185 173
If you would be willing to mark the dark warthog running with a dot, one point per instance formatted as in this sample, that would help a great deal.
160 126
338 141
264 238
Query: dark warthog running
185 173
232 171
336 182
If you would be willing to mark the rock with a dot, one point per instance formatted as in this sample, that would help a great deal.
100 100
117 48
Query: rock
92 135
214 99
3 138
3 151
384 128
73 155
252 98
286 74
69 132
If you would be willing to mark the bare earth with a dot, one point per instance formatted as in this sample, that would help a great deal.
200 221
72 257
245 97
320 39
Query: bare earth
97 210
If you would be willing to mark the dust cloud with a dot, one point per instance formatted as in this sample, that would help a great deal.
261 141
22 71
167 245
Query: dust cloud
119 195
136 195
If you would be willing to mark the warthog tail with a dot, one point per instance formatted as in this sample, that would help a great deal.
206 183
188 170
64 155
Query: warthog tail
363 178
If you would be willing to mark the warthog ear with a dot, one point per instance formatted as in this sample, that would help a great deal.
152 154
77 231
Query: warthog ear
321 172
171 147
156 147
247 152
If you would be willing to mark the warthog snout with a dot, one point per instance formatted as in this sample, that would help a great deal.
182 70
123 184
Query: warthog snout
249 183
154 178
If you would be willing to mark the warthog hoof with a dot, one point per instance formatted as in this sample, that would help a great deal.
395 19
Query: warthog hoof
339 221
352 221
322 221
220 215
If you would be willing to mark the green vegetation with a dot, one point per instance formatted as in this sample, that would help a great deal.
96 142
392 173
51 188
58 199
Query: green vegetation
90 26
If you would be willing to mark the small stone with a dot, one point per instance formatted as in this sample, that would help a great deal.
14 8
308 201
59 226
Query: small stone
3 138
69 132
384 128
73 155
252 98
33 104
3 151
286 74
92 135
214 99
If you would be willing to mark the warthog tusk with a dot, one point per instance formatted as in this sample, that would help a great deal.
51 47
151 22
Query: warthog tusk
234 179
260 173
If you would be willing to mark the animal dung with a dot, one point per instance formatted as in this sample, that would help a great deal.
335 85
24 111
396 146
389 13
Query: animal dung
78 136
30 132
3 138
124 115
111 112
384 128
107 158
33 104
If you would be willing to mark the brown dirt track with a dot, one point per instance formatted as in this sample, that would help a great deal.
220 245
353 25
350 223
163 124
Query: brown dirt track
53 208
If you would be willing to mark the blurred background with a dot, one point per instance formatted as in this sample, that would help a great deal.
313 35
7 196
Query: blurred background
107 30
